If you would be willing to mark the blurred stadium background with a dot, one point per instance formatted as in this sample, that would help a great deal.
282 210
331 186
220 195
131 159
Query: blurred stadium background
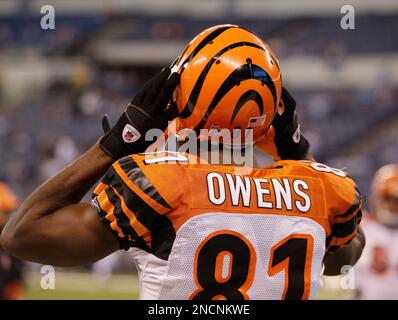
55 85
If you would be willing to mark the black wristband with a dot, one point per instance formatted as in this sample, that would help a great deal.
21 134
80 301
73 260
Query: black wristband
112 145
128 135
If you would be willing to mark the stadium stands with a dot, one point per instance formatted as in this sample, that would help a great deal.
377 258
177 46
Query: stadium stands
338 121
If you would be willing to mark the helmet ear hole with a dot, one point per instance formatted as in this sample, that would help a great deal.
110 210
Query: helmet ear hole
249 61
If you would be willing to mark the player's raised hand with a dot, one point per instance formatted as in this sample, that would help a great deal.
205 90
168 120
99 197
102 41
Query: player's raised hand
283 139
149 109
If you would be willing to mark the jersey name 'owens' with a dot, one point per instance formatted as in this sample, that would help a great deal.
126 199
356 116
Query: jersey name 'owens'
199 231
240 190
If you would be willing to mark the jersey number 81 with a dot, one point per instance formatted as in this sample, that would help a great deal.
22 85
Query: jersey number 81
225 264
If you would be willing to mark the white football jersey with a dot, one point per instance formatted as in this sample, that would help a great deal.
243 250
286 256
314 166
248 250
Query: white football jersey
376 273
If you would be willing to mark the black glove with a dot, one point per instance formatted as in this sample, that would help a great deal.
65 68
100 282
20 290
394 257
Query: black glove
149 109
289 141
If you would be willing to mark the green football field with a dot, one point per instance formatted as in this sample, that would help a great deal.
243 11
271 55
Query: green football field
83 286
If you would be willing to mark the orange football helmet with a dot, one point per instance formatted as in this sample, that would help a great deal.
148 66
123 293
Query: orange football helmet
384 195
230 79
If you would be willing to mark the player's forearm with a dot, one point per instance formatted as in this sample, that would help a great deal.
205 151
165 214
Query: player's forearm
65 188
348 255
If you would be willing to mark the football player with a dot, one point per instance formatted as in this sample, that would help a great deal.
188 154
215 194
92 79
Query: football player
377 273
10 267
197 230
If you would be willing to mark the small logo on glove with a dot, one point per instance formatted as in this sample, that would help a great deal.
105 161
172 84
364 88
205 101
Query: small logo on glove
297 135
130 134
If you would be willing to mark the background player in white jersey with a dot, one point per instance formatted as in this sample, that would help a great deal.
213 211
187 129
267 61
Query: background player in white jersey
197 230
377 272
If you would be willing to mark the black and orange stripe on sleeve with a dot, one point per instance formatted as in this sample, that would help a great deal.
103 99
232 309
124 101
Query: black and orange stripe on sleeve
129 203
110 212
344 227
